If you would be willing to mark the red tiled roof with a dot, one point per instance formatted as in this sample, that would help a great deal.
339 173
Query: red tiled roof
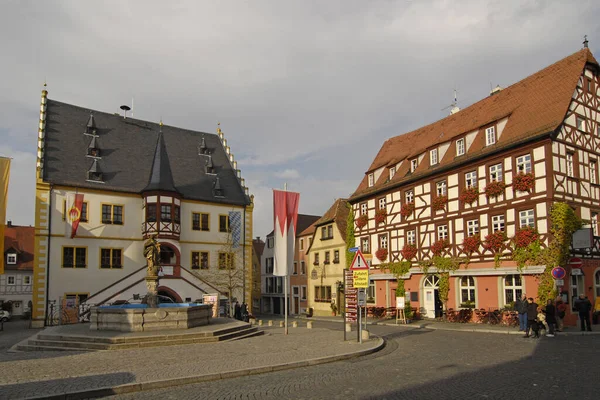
536 106
337 213
21 239
259 246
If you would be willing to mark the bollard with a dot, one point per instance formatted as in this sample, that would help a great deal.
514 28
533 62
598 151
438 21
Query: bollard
281 324
260 322
294 324
348 327
309 325
365 335
270 322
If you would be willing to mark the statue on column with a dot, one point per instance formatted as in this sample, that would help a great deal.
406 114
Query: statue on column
152 255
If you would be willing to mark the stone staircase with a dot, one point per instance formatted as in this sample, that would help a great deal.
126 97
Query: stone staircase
73 342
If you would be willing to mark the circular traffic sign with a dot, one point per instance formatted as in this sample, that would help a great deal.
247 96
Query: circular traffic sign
558 272
575 262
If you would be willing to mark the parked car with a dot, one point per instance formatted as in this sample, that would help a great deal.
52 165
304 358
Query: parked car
4 315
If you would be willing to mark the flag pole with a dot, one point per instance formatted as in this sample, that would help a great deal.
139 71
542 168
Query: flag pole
285 291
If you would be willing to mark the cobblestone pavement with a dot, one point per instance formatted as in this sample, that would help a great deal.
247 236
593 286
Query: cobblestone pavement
35 374
14 331
426 364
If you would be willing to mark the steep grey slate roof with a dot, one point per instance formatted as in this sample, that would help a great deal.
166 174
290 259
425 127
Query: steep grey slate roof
161 177
127 149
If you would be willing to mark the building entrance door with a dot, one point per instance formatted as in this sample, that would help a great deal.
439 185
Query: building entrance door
430 286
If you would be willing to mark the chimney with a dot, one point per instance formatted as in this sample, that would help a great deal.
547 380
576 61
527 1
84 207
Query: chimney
495 90
9 223
258 238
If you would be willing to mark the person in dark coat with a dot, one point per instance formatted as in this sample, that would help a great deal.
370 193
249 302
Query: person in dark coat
237 311
531 315
584 306
244 311
521 308
550 312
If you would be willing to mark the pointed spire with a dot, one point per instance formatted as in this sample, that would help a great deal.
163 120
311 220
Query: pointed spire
93 149
161 177
209 168
94 173
91 122
202 148
217 190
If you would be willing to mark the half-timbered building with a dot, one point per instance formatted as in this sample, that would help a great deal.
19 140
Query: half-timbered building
486 171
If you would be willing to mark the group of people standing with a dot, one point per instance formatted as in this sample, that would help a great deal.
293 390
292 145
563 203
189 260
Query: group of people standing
531 315
240 312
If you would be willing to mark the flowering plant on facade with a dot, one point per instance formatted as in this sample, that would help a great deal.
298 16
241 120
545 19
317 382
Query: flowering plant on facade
525 236
439 203
495 241
380 215
409 251
362 220
523 182
471 244
469 195
439 246
495 189
407 209
381 254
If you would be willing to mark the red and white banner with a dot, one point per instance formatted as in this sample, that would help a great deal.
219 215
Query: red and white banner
285 213
73 209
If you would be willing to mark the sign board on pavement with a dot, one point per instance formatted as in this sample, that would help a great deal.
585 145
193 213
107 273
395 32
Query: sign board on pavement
359 262
400 302
361 278
351 297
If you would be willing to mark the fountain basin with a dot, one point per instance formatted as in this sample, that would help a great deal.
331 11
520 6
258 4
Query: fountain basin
141 318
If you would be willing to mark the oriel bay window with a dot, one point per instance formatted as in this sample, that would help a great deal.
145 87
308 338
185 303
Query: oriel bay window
165 212
323 294
74 257
151 212
111 258
112 214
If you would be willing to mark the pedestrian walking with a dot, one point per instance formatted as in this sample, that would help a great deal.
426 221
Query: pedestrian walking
531 318
521 308
561 310
583 307
550 312
245 315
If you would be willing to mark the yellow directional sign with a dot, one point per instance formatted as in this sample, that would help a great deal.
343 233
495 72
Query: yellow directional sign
361 278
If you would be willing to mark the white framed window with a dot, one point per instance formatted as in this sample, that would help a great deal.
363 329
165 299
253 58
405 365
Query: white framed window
441 188
442 232
411 237
26 280
11 258
594 223
382 203
472 227
383 241
580 123
409 195
270 242
392 172
460 147
467 289
490 136
513 288
371 179
371 291
524 164
471 179
497 223
593 171
570 164
526 218
10 280
363 208
364 245
413 165
496 173
433 157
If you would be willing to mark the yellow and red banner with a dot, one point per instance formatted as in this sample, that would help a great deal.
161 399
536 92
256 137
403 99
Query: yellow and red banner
4 176
74 208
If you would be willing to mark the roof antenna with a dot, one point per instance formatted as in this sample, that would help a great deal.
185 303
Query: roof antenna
131 106
454 105
125 108
585 42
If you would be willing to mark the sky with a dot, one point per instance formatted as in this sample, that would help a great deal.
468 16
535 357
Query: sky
306 91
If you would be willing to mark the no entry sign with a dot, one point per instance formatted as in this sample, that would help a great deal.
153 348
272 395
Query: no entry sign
575 262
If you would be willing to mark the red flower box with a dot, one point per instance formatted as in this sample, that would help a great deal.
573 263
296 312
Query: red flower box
495 241
362 220
380 215
525 236
407 209
495 189
439 246
469 195
381 254
471 244
523 182
409 251
439 203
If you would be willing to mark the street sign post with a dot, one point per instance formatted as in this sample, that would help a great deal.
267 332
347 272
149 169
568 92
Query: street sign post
359 262
353 249
575 262
558 273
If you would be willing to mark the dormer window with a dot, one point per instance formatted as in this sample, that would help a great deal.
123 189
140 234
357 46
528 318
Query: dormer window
94 174
90 128
93 149
413 165
433 157
392 172
490 136
11 258
217 190
202 149
209 167
460 147
371 179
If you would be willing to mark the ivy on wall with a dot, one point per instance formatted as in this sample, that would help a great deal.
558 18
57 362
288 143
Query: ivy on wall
350 239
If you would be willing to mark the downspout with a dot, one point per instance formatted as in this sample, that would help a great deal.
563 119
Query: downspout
48 253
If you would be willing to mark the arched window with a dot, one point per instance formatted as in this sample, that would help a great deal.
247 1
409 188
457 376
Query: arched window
513 288
432 281
167 256
467 290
